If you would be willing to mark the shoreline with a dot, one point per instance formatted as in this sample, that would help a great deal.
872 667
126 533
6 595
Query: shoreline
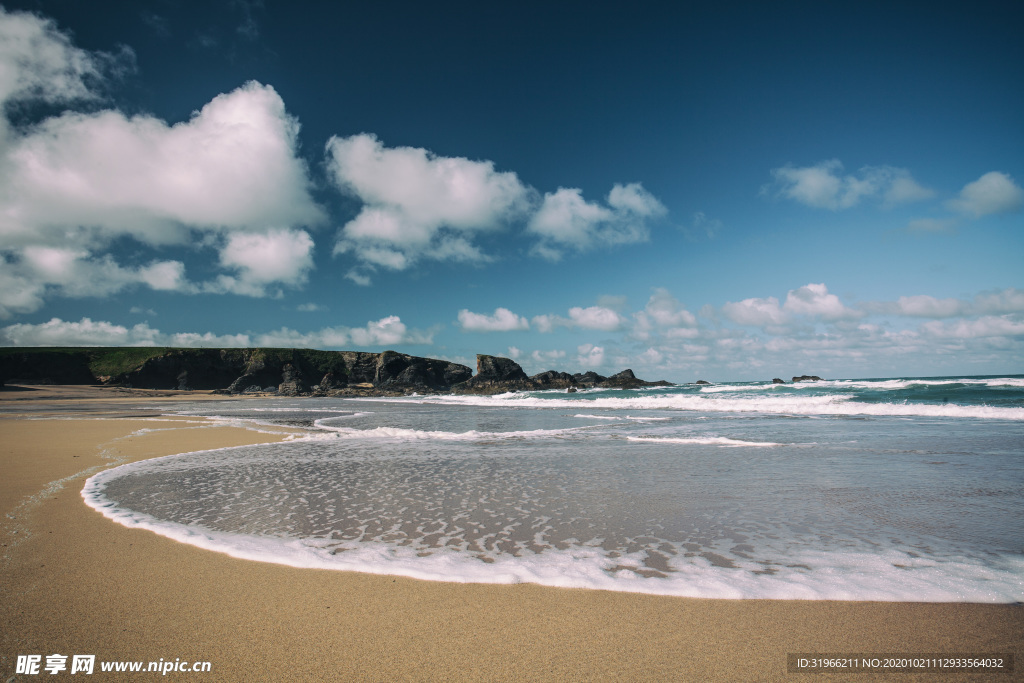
78 583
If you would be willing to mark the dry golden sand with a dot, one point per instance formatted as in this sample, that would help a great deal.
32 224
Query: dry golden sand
73 582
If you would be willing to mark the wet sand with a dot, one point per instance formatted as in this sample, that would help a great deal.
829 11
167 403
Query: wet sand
77 583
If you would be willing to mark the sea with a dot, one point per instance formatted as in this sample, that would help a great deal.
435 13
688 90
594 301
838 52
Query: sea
889 489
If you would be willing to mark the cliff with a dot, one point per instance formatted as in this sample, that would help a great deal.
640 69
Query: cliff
285 371
288 372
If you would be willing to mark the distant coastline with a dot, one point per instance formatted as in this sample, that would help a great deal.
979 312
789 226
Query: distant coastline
286 372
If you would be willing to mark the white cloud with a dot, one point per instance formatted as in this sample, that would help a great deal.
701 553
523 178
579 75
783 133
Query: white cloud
590 356
278 256
993 192
73 184
566 220
38 61
589 318
815 300
502 320
756 312
85 332
925 306
664 310
986 326
824 186
595 318
1009 300
812 300
418 205
387 331
99 176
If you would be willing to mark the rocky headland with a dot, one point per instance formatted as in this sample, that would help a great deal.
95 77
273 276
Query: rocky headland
288 372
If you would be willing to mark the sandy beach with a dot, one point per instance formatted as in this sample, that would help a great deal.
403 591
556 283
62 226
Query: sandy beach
76 583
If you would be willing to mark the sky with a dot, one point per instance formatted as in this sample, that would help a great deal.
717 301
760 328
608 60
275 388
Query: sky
729 193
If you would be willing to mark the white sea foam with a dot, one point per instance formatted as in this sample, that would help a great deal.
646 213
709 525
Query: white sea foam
806 575
834 404
703 440
403 434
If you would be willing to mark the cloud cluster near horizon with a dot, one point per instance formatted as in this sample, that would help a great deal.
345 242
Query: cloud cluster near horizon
825 186
388 331
809 328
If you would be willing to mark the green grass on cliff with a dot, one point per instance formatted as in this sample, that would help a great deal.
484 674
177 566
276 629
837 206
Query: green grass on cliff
115 361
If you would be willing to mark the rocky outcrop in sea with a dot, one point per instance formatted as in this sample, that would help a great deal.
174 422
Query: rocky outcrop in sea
496 375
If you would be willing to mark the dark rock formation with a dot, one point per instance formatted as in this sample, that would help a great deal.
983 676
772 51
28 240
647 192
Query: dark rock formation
553 379
776 380
807 378
700 381
291 382
288 372
589 378
500 375
233 371
27 366
496 375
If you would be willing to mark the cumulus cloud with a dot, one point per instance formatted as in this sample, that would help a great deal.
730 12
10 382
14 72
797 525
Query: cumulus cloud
812 301
279 256
502 320
418 205
590 356
663 311
566 220
101 176
589 318
986 326
1010 300
73 185
815 300
993 192
825 186
85 332
39 62
388 331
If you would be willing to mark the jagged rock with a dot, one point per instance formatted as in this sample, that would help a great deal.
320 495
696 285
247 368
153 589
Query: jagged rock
399 371
571 390
589 378
702 382
807 378
553 379
496 375
776 380
291 382
623 380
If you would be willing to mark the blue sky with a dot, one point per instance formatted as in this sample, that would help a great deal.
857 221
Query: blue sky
692 192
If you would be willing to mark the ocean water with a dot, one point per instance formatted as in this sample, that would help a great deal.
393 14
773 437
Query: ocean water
876 489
